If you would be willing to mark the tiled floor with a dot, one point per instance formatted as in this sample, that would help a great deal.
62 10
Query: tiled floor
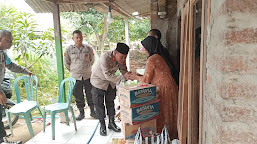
67 134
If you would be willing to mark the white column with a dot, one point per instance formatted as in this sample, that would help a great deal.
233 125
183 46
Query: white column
127 40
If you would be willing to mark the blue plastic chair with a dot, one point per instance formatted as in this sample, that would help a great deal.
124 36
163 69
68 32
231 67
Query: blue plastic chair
61 106
25 107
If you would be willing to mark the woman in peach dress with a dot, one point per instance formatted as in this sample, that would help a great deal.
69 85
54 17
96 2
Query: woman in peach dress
159 72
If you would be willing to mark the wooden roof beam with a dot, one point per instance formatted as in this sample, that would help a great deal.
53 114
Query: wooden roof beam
117 8
120 9
52 1
81 1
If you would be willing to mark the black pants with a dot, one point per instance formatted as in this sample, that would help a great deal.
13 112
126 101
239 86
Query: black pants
99 96
79 95
2 131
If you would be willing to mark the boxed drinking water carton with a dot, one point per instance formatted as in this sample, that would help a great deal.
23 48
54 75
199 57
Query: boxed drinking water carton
139 114
130 131
136 95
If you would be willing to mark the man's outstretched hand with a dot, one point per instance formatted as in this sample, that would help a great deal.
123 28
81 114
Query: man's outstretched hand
30 74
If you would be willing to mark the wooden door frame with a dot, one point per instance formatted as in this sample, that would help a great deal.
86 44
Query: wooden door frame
206 7
187 111
183 100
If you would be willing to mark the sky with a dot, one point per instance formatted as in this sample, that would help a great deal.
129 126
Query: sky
45 20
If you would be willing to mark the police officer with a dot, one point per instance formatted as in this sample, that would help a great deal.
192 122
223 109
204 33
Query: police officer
78 59
5 43
104 83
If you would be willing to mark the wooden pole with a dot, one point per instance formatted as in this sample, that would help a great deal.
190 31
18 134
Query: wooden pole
127 40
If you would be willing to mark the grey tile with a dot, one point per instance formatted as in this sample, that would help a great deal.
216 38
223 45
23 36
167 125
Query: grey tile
91 123
60 137
117 134
100 140
79 139
86 130
82 122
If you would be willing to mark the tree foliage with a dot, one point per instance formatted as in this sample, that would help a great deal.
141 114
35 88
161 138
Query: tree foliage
26 43
90 22
93 22
32 49
138 28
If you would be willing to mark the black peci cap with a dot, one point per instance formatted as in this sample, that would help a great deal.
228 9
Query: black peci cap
122 48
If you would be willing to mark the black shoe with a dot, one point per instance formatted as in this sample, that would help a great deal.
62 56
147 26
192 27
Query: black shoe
102 128
80 117
10 142
81 114
112 125
93 114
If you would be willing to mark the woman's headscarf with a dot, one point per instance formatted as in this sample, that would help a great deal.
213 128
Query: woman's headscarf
154 46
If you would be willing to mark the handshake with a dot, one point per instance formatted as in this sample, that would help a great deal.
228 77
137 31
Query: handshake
132 76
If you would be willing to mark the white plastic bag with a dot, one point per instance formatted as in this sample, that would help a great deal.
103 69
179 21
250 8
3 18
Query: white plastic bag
175 141
138 137
162 138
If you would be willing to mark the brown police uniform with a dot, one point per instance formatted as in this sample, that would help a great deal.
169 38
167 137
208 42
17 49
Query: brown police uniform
79 62
104 83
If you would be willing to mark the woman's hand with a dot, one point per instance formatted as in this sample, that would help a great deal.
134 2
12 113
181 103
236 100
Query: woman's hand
2 99
127 75
134 76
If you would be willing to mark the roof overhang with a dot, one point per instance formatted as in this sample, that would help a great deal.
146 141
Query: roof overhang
119 7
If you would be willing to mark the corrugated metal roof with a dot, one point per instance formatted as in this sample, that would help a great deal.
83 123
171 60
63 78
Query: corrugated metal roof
127 6
41 6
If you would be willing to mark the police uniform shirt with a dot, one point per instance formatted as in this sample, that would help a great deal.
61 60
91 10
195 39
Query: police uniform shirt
104 72
79 61
5 61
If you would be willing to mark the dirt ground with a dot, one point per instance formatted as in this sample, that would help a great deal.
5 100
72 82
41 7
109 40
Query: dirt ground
21 132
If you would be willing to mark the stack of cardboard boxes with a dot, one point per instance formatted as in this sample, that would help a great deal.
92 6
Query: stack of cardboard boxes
139 108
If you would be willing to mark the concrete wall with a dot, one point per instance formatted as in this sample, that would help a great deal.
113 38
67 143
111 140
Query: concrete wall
168 27
230 94
230 97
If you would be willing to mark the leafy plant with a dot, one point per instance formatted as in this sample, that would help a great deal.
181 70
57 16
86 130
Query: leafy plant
90 22
33 50
93 22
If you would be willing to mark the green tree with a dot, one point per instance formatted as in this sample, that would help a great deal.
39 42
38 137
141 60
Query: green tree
32 50
90 22
138 29
93 22
25 42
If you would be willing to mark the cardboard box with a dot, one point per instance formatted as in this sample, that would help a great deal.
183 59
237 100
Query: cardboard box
139 114
136 95
130 131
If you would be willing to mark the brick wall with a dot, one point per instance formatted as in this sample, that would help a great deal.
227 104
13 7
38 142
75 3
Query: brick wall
230 97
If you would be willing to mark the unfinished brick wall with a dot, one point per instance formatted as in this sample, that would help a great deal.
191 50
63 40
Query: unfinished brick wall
230 95
168 27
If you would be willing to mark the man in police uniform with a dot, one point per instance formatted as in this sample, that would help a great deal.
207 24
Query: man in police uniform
5 43
78 59
104 83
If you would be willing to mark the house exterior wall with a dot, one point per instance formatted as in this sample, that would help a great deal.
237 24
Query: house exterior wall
230 97
168 27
